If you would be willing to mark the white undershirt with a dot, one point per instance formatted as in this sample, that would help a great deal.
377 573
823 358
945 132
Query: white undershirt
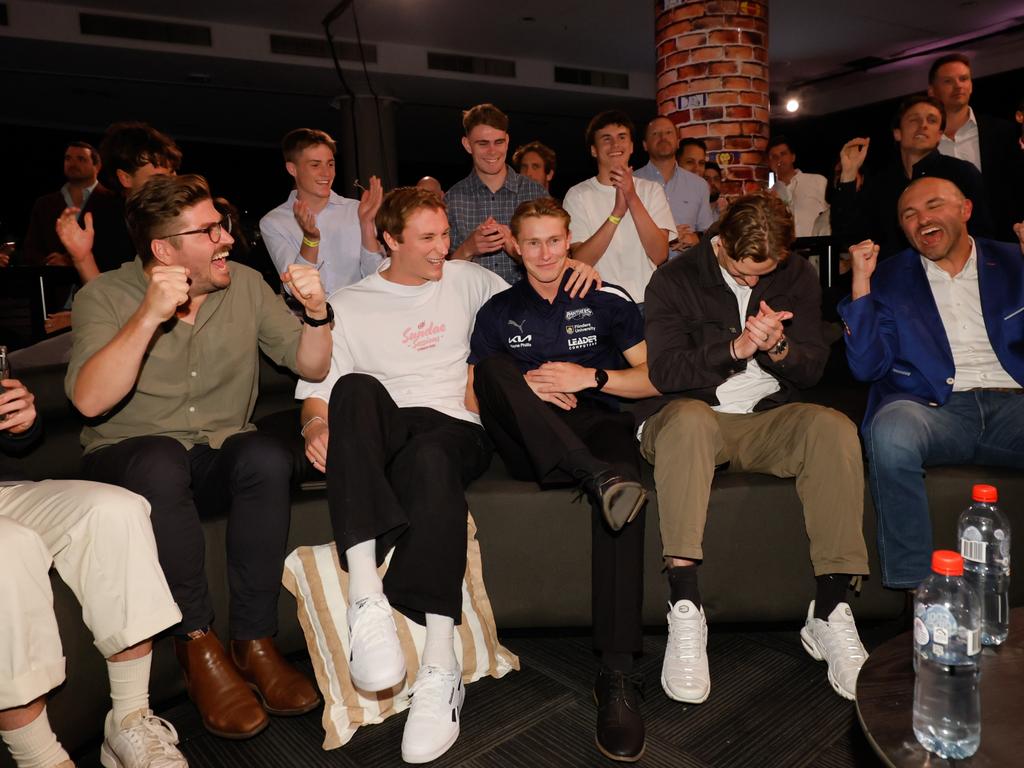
965 143
742 391
959 302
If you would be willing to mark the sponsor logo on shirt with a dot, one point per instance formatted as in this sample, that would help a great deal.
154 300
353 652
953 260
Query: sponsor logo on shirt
425 335
521 339
583 342
580 328
575 314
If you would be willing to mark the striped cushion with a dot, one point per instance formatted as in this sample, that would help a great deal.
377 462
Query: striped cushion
320 586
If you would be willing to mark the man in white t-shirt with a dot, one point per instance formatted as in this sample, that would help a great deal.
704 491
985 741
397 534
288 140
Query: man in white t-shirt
620 223
406 441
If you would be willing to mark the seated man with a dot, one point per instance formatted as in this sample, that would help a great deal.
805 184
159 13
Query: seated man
164 364
938 332
100 540
548 373
393 428
717 343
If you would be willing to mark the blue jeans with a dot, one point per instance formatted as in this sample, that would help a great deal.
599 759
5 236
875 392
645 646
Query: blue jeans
979 427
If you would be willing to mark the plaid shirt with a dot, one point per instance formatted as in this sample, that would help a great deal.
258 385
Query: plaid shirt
470 202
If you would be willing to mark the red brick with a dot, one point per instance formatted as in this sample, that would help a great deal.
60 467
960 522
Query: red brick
753 128
711 22
724 129
682 116
691 72
751 158
724 36
721 98
675 30
750 97
692 40
761 143
708 54
706 84
687 11
667 47
708 113
739 113
736 141
761 173
722 6
759 85
732 189
667 78
745 22
740 172
693 131
675 88
723 68
760 113
740 52
753 70
753 187
736 83
713 143
751 38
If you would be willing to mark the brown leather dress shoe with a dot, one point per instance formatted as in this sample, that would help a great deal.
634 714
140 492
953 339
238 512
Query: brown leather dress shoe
283 689
228 708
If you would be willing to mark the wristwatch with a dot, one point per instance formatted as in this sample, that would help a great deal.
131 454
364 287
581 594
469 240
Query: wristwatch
601 377
317 323
780 346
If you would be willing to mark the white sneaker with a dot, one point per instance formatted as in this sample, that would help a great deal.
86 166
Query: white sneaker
144 741
433 724
684 674
375 661
836 641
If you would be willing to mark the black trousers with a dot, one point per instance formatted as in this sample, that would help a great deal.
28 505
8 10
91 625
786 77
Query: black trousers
248 477
535 438
398 475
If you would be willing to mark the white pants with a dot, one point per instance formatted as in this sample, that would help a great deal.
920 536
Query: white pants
101 542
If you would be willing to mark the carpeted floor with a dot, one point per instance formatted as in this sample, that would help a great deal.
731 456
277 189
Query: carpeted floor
770 706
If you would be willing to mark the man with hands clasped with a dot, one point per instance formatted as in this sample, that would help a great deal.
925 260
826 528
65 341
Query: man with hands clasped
938 330
620 223
733 331
317 226
164 364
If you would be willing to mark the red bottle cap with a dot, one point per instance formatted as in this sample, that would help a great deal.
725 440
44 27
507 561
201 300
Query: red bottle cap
947 563
985 493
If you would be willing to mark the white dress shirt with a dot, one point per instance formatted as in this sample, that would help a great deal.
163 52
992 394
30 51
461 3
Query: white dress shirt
965 142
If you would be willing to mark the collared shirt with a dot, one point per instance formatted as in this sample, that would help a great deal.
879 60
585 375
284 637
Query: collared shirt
688 195
197 383
805 196
341 258
65 192
958 299
965 143
743 390
592 331
470 203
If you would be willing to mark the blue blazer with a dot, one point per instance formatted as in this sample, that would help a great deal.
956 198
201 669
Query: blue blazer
895 338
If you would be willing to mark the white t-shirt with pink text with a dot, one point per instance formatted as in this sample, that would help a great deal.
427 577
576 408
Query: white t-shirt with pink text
413 339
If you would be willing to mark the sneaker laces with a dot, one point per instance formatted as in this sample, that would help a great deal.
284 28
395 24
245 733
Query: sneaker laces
620 683
374 619
843 640
432 691
152 739
686 644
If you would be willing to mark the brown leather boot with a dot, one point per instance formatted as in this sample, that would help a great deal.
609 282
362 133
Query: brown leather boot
227 706
283 689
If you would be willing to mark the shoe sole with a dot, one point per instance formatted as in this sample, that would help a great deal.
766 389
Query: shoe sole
283 712
618 514
674 697
812 650
108 759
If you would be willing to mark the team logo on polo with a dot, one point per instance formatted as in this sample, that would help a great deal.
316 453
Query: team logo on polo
521 339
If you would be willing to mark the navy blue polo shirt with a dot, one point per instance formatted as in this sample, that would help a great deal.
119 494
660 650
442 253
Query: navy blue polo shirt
593 331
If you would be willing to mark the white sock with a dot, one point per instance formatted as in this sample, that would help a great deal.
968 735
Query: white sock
35 745
363 579
439 647
129 687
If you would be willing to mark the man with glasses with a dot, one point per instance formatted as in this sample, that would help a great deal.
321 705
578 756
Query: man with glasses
733 331
164 365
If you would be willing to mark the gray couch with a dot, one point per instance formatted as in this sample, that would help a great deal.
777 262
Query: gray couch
536 550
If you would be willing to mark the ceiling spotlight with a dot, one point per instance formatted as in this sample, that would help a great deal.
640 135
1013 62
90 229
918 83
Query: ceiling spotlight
792 104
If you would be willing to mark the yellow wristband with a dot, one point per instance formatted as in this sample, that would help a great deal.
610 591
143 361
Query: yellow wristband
614 219
310 243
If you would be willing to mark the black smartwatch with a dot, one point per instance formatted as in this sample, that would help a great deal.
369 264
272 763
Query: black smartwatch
317 323
601 377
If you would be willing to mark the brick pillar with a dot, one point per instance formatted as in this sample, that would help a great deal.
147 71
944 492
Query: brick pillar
712 67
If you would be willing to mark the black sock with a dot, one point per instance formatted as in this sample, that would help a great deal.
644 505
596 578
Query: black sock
831 592
618 661
682 584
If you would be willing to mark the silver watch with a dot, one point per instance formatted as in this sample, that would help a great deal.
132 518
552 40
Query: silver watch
780 346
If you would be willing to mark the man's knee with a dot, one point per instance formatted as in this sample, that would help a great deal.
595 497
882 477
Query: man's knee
153 463
495 368
21 550
357 387
260 457
110 510
898 428
835 427
688 420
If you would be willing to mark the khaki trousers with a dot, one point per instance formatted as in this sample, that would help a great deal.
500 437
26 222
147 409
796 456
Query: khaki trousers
100 540
816 445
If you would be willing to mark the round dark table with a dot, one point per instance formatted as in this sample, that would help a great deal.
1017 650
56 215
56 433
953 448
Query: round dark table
885 698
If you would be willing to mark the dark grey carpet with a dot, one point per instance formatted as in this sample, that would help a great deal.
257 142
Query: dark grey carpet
770 706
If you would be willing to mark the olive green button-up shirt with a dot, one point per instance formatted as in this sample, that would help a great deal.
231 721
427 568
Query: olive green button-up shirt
197 383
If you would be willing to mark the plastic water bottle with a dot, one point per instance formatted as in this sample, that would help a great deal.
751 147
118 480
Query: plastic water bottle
947 644
984 534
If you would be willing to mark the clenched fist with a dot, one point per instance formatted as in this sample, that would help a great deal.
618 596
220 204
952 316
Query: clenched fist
307 288
168 290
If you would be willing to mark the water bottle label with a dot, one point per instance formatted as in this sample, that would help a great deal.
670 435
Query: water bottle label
973 642
971 545
920 631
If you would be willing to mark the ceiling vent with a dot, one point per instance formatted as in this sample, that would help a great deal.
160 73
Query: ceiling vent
144 29
592 77
316 48
471 65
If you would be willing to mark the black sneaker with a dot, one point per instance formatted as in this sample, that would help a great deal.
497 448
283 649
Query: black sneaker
620 728
619 498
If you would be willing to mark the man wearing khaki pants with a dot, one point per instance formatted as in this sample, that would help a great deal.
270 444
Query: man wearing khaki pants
733 331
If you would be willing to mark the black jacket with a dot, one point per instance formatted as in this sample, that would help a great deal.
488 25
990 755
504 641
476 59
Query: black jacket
1002 173
691 317
16 445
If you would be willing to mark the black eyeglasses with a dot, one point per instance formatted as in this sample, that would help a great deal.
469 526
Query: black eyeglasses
213 231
